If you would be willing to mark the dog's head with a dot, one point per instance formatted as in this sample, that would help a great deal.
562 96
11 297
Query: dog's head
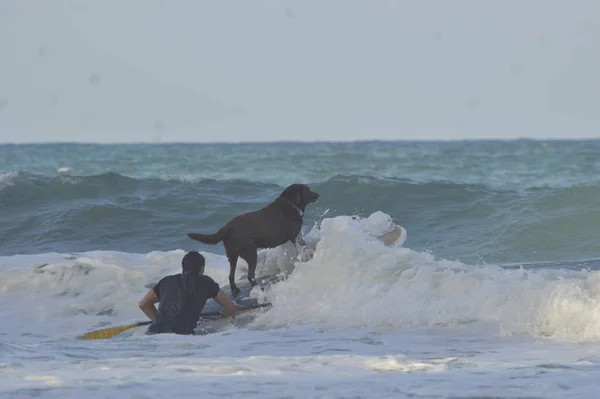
299 195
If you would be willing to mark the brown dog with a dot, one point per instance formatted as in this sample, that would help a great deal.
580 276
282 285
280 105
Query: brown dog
269 227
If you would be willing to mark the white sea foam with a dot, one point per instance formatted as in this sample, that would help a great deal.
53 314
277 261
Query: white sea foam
7 179
352 281
357 319
355 282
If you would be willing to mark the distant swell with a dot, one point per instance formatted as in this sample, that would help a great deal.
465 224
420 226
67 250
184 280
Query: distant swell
470 222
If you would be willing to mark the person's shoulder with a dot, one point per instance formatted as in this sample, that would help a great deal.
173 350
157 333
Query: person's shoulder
162 284
208 282
205 278
168 278
208 285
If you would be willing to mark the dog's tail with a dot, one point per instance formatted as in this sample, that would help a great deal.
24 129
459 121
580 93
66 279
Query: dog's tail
216 238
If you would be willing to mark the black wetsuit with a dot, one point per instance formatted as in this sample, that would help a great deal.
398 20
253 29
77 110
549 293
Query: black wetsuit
181 299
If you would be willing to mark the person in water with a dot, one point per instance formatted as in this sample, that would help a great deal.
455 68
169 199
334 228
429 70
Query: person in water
181 298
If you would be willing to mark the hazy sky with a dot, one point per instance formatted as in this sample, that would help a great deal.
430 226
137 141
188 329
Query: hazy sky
192 70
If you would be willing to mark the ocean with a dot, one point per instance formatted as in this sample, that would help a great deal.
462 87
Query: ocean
494 294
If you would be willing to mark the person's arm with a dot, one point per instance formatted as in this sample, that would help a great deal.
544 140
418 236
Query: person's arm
223 299
147 304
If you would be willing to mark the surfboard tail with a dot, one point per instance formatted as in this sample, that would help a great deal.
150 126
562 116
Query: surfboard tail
216 238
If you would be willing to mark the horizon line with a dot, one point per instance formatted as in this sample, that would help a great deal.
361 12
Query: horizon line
351 141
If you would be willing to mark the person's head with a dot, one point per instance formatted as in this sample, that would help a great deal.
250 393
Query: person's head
193 263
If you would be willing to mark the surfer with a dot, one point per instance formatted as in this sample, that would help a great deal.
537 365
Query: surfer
181 298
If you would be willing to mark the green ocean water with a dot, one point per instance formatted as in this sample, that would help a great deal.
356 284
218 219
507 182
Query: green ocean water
503 202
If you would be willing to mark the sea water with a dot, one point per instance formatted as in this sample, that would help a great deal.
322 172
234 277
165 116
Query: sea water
495 292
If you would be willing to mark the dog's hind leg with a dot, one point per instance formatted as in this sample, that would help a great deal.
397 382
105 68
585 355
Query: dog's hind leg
233 258
251 258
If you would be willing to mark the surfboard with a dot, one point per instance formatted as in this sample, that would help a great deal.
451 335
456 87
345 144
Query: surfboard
394 237
243 299
247 306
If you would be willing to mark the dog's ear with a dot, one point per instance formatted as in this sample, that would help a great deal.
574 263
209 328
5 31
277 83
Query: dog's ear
294 194
300 197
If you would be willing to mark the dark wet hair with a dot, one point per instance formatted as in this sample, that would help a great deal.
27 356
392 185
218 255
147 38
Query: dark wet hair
192 262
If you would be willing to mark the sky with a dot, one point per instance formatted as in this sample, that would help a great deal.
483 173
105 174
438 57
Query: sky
200 71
